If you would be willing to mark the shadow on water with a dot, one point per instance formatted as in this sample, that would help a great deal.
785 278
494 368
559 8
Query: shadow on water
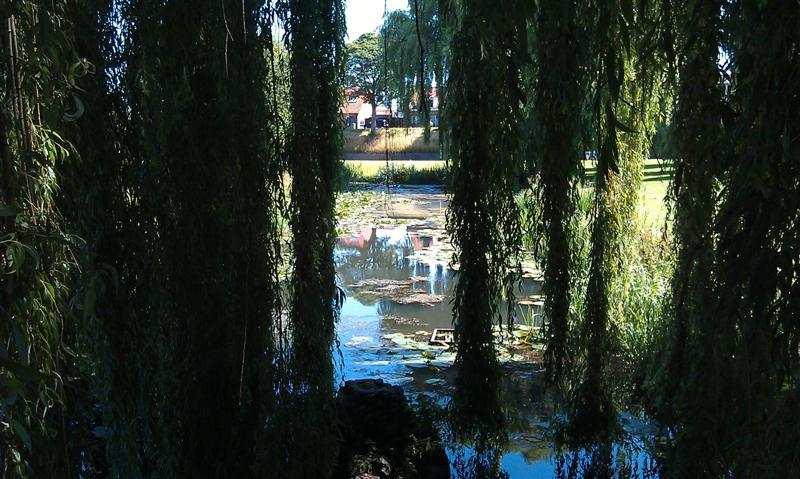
384 332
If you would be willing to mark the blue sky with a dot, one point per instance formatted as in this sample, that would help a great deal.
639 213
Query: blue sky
366 15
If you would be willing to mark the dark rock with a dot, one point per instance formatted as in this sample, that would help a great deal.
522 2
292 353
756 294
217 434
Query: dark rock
382 437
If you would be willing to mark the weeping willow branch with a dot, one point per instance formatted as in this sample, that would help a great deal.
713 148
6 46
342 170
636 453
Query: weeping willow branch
754 365
36 364
595 414
92 199
700 142
736 193
483 217
557 110
317 42
313 295
424 109
628 82
199 123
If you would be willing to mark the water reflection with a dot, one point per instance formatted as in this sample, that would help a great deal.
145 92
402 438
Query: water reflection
608 459
484 461
521 443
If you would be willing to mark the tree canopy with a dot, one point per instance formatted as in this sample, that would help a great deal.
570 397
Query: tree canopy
364 71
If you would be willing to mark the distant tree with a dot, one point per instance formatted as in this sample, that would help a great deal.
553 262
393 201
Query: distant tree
418 54
401 58
364 69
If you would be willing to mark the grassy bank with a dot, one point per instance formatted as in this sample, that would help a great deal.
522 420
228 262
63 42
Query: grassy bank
400 140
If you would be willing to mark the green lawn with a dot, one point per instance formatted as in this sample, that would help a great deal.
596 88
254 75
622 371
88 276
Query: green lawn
653 206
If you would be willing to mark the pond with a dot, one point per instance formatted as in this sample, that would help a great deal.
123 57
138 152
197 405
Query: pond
398 285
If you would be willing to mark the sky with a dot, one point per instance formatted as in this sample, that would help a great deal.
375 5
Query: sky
366 15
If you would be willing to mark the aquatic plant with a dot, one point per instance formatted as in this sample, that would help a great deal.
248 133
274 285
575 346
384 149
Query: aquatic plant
398 175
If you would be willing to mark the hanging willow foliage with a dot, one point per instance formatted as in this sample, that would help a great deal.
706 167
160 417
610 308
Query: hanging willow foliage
198 124
557 112
316 33
759 236
418 42
699 140
144 348
750 331
92 199
483 218
400 58
130 324
141 155
627 84
36 360
595 414
422 79
732 373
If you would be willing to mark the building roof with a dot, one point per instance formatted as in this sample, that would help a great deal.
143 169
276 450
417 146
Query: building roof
353 103
352 107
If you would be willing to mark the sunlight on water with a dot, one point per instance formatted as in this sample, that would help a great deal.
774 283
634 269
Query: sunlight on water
384 330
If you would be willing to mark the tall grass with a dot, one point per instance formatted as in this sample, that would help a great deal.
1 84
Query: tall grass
397 175
400 140
640 299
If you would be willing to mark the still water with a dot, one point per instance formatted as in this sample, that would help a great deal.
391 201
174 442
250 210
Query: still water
383 335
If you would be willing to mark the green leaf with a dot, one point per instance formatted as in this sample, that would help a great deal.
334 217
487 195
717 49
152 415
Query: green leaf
20 341
22 433
20 372
623 126
90 299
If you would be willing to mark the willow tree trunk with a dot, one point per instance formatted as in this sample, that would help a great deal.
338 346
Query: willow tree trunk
424 110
